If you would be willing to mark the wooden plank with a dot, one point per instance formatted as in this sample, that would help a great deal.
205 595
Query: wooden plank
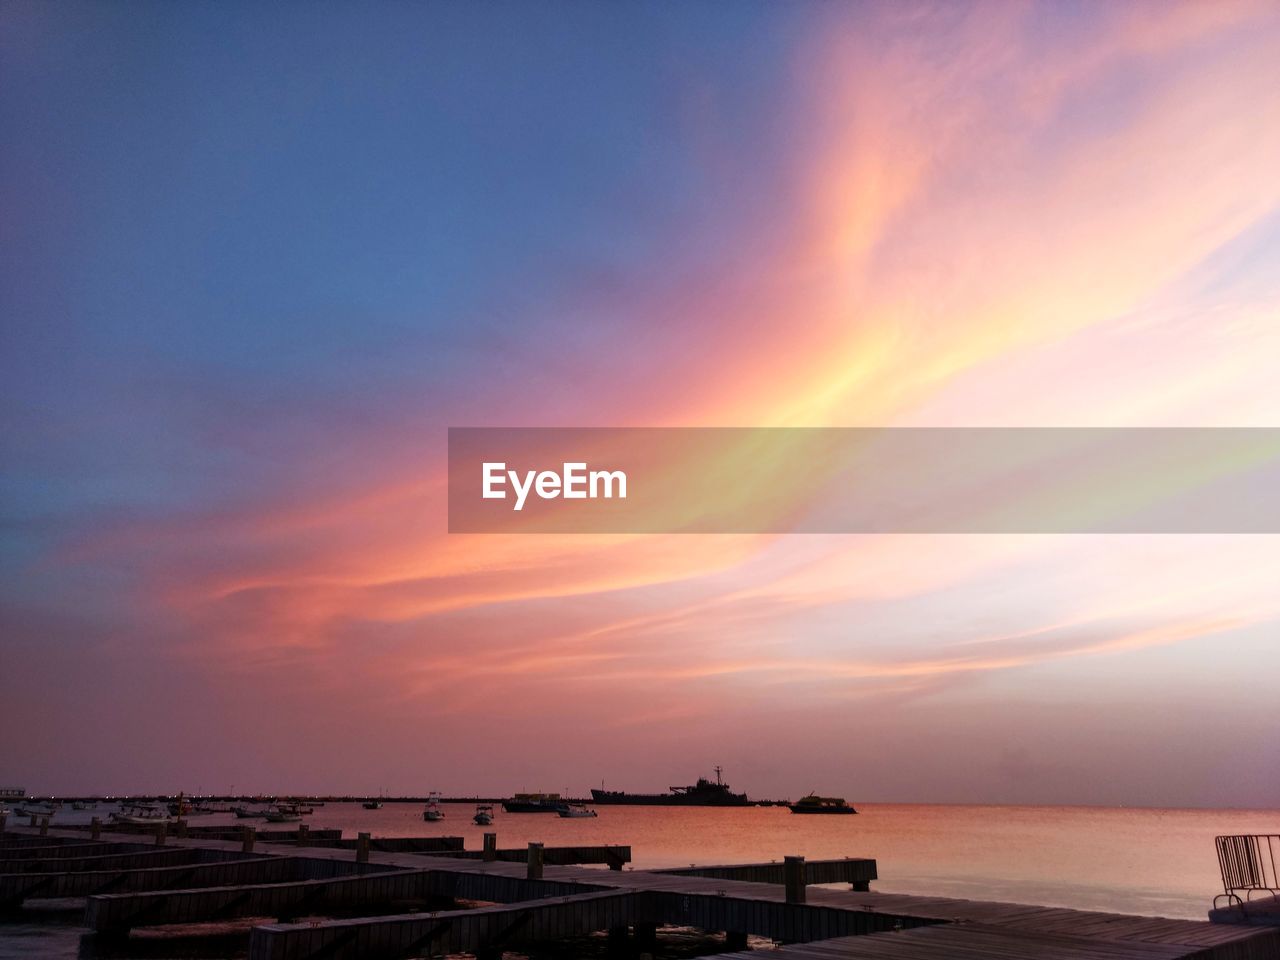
454 931
842 870
117 912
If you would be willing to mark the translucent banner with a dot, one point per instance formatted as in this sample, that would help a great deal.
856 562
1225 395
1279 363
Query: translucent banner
863 480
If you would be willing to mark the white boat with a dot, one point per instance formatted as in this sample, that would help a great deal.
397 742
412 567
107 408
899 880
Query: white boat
37 810
141 815
433 811
484 814
575 810
284 813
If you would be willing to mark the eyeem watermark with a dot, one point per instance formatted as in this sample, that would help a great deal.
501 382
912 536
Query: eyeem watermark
574 482
863 480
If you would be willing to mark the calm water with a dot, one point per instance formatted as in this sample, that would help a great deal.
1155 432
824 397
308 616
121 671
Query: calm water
1154 862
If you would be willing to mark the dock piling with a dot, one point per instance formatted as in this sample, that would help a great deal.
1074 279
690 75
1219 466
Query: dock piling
180 829
793 870
303 835
162 833
362 848
535 861
646 932
619 943
44 826
246 839
95 829
490 847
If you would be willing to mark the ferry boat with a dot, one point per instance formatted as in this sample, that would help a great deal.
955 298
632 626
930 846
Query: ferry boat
704 793
484 814
816 804
533 803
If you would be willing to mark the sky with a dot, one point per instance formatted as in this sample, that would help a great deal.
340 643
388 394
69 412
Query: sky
255 261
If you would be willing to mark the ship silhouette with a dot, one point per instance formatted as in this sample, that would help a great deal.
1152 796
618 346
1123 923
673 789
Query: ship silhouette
704 793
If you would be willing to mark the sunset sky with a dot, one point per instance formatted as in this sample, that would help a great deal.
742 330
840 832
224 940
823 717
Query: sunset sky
256 260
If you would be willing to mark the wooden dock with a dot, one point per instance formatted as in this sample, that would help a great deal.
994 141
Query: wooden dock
539 894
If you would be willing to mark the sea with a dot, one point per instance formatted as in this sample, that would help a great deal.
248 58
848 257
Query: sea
1152 862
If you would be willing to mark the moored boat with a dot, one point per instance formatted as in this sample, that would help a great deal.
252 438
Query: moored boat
484 814
433 812
141 815
37 809
575 810
283 813
816 804
533 803
704 793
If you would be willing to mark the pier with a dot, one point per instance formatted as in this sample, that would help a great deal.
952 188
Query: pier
401 898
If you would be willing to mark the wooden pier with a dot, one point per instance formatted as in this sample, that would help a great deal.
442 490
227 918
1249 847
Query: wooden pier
392 899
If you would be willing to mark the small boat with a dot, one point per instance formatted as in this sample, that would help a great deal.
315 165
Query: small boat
84 805
244 813
139 814
37 810
373 804
433 812
484 814
283 813
816 804
575 810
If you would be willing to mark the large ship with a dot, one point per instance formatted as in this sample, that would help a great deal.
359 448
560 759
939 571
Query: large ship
704 793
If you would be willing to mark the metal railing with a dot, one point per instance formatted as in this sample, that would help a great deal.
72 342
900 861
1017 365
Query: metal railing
1248 865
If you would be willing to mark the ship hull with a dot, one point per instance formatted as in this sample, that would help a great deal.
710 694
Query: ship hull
513 806
668 799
